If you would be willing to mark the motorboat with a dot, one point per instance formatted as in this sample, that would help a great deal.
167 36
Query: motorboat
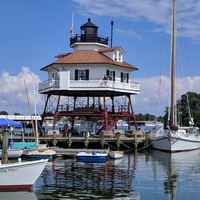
95 156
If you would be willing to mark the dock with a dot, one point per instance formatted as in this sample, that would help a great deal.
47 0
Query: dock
70 145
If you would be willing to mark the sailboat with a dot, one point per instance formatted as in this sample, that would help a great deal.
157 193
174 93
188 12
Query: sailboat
172 137
18 175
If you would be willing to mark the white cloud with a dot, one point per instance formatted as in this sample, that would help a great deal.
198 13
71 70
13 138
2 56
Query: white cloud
153 98
154 93
13 97
155 11
129 33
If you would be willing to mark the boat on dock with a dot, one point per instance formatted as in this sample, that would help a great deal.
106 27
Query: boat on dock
35 155
95 156
13 153
116 154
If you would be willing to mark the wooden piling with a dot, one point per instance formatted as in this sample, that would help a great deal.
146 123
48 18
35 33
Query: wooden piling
69 141
86 141
118 141
54 139
102 141
135 141
4 157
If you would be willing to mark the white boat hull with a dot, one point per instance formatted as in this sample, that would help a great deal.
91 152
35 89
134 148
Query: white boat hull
13 153
116 154
176 142
20 175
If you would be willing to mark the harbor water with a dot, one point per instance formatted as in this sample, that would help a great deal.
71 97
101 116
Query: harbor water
145 175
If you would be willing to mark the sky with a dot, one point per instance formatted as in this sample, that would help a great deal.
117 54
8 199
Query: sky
33 32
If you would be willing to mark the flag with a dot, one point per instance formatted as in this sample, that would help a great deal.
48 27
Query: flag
72 26
71 31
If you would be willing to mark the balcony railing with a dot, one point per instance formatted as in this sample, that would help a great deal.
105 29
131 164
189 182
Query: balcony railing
86 85
89 38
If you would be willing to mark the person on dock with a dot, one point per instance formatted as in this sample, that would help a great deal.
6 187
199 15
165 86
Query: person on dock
65 130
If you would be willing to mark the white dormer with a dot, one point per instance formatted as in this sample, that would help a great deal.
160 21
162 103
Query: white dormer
114 53
117 56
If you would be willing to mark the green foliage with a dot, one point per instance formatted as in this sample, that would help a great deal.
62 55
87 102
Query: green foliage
146 117
3 113
189 106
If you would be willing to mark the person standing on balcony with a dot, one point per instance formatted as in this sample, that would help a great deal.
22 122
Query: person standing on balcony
105 79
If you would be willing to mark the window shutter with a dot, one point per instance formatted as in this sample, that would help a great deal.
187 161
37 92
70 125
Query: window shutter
107 72
87 74
127 78
121 76
76 74
113 75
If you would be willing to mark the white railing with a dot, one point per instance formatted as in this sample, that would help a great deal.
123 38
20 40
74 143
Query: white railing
21 117
50 85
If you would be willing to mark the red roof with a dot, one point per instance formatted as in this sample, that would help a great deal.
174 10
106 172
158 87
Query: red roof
88 57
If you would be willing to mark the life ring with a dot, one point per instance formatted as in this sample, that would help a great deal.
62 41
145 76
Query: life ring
86 134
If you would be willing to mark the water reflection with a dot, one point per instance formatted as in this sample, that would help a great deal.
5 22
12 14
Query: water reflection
70 179
181 173
140 175
20 195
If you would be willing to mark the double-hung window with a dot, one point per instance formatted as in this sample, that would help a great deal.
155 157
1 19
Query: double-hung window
124 77
81 74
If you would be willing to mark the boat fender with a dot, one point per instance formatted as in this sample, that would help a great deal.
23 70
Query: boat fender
86 134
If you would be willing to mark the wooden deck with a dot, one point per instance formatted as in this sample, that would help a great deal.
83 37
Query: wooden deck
75 143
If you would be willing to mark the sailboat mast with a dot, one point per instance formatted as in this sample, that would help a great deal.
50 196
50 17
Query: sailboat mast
173 119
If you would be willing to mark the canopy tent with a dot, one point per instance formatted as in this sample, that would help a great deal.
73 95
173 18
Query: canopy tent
4 122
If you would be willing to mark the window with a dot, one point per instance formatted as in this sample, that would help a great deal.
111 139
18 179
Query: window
115 56
124 77
53 75
82 74
119 57
111 75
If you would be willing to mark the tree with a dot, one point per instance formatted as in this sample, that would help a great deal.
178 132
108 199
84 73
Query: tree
189 107
3 113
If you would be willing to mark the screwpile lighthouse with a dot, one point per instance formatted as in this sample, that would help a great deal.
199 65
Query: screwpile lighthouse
92 82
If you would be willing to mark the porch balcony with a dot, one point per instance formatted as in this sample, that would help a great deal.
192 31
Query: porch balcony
88 85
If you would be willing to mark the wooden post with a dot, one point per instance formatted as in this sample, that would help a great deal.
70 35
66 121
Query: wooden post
22 136
135 141
86 142
5 147
69 139
102 141
147 140
118 142
54 138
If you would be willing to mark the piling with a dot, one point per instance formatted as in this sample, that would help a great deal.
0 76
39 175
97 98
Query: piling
69 141
86 141
5 147
102 140
118 141
54 139
135 141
